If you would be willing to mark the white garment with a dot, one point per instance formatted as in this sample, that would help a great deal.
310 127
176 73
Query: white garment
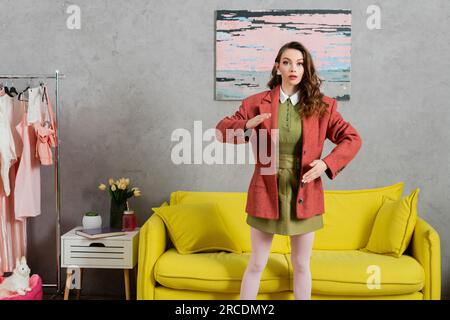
37 109
15 117
7 147
294 97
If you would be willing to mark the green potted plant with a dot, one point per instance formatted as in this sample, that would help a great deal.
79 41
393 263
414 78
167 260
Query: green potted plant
92 220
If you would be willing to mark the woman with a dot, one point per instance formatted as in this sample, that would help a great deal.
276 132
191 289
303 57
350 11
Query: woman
290 201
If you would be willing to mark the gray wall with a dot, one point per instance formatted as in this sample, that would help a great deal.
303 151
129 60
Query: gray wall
137 70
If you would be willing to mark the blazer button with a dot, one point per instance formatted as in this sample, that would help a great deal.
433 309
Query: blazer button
300 201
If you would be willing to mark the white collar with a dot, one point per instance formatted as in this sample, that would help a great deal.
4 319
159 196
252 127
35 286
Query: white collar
294 97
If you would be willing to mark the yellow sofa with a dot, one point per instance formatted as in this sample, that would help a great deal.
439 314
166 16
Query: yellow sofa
339 269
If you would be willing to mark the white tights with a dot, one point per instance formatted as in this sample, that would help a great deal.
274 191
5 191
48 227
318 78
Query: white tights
261 242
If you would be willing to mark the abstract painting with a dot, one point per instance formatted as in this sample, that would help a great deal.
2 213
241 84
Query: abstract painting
247 43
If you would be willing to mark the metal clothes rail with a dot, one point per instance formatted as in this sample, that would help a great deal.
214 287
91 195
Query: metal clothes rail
57 76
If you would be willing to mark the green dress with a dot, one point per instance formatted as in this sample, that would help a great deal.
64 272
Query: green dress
288 177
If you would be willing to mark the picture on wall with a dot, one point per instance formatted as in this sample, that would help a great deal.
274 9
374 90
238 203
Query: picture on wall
247 43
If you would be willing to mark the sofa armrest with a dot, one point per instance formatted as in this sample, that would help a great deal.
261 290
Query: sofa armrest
152 244
425 248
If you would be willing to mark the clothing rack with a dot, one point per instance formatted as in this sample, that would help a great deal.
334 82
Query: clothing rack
55 76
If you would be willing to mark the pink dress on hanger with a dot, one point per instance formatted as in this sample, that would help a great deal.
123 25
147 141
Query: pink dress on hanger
13 235
13 232
46 136
27 192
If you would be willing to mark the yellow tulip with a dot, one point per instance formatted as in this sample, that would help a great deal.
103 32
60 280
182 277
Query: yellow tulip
102 186
127 182
122 186
113 187
137 193
111 181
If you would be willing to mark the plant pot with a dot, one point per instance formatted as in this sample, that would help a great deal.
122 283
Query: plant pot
115 215
92 222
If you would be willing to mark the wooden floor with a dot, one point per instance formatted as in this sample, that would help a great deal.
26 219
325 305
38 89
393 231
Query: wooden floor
49 294
83 297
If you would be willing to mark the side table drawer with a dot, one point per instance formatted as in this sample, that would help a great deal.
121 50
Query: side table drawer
98 253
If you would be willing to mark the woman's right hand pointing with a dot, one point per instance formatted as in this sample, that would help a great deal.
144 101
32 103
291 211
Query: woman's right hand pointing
255 121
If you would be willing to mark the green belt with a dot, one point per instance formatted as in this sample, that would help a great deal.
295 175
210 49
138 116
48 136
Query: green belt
288 161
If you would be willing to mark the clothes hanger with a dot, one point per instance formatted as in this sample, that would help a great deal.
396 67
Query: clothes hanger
45 96
13 90
43 85
7 90
24 91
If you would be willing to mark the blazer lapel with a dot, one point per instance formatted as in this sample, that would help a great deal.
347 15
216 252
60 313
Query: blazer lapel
269 104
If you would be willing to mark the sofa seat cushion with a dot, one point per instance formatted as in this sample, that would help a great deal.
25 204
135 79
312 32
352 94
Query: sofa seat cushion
334 272
217 271
353 272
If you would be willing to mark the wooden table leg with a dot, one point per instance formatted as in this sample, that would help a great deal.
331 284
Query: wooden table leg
81 283
68 284
126 275
135 279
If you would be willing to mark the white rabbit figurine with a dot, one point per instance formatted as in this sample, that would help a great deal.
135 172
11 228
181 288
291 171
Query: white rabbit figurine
20 279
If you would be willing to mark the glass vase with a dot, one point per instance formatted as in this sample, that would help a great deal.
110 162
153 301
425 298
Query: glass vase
116 213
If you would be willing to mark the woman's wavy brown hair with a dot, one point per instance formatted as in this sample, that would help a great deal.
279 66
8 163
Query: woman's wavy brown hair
310 98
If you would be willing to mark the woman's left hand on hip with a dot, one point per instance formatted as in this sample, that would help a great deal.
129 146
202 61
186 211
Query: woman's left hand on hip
318 167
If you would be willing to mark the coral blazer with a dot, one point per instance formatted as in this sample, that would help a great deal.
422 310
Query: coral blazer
262 196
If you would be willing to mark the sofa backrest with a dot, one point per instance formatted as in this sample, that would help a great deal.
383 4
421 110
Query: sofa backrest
348 217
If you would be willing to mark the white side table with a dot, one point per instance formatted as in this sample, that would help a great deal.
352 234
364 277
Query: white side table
78 252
